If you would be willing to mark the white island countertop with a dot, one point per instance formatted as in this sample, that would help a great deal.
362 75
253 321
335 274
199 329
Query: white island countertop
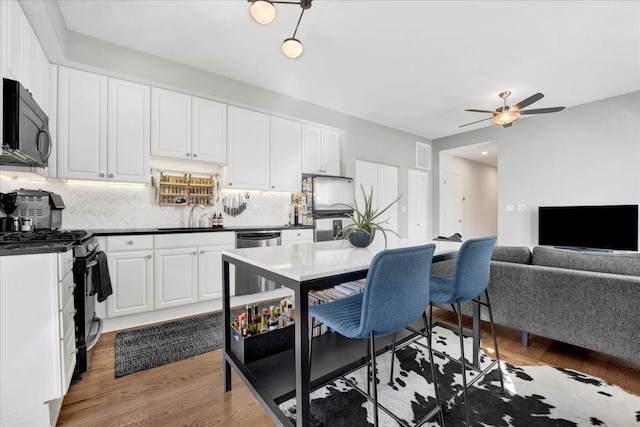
306 261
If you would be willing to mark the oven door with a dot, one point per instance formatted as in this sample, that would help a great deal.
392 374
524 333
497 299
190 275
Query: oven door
88 325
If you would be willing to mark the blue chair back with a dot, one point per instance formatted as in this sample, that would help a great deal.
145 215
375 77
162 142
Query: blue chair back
471 270
397 290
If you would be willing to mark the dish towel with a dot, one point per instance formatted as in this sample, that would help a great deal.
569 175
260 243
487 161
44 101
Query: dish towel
100 278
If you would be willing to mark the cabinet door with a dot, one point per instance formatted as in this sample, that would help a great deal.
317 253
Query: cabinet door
128 136
285 170
43 81
82 125
13 24
210 272
209 131
248 163
311 149
176 277
170 124
132 281
330 152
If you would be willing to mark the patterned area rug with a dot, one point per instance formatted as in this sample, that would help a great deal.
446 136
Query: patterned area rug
162 343
534 395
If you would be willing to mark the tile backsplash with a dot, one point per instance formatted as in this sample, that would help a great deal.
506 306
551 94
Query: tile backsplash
111 206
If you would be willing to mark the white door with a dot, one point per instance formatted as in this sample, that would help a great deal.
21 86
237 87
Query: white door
330 152
82 125
387 194
209 131
311 149
176 277
367 180
128 136
248 149
286 138
170 124
210 272
451 221
417 204
132 281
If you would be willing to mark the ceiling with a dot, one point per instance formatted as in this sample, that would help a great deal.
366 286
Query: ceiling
410 65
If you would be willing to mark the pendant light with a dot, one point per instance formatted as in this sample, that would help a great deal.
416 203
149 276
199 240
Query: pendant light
264 12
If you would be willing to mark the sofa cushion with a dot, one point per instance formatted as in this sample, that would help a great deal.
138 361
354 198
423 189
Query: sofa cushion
627 264
516 254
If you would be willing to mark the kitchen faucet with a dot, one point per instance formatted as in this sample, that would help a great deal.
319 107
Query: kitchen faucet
191 215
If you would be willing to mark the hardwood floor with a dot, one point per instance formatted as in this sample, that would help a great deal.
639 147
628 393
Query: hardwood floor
189 392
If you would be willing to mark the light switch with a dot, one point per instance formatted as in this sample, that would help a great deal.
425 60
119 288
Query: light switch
522 207
509 208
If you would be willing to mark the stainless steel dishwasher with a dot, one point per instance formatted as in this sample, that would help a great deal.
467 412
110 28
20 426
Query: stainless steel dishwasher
249 283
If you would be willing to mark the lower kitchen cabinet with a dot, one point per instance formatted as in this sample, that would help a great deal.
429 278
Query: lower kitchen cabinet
175 277
132 282
210 272
297 236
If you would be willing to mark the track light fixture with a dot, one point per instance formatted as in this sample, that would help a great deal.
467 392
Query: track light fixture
264 12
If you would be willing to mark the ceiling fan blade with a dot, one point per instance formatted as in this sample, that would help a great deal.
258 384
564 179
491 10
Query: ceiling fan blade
530 100
477 121
480 111
542 110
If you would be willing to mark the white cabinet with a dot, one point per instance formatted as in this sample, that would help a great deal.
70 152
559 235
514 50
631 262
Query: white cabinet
209 131
285 154
320 150
297 236
87 149
82 124
248 150
128 131
35 371
130 261
175 277
188 128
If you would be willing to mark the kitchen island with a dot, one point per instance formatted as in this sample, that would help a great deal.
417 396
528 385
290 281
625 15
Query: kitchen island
302 268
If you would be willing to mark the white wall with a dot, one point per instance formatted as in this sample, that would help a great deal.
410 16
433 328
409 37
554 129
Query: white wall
479 193
585 155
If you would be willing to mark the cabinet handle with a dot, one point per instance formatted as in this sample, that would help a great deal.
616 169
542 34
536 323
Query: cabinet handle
130 242
195 155
101 175
201 251
273 186
231 183
148 256
110 175
188 155
195 252
298 234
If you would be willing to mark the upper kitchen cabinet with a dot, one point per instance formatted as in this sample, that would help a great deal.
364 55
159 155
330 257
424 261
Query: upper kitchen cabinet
321 150
285 149
87 148
23 58
188 128
248 150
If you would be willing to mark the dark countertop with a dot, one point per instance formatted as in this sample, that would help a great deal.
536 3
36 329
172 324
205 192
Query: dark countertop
173 230
28 248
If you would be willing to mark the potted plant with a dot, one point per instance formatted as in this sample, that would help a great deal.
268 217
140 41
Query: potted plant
361 233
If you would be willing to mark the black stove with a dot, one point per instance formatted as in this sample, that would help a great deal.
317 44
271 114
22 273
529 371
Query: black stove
83 242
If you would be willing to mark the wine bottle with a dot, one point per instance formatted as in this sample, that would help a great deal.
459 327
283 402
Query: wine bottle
272 322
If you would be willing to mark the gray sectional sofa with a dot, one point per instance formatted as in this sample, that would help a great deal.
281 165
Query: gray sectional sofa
589 299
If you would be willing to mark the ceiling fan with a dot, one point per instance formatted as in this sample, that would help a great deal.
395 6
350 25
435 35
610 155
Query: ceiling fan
505 115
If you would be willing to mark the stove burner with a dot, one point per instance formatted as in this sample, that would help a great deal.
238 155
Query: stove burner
46 235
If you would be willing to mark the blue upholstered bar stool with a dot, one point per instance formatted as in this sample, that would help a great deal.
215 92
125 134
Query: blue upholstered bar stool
469 281
395 295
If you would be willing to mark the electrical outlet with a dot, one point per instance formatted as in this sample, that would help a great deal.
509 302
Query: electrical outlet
522 207
509 208
256 210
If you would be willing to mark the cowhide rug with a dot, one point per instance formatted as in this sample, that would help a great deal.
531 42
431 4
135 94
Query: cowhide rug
534 395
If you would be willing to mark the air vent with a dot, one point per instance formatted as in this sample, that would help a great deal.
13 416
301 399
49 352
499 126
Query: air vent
423 156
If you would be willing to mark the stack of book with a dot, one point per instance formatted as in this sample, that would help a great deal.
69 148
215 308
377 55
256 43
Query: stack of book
340 291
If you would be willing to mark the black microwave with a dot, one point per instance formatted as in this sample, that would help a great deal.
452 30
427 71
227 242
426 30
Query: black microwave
25 138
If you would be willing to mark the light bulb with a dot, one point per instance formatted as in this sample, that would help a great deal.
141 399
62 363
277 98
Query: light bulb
262 11
505 117
292 48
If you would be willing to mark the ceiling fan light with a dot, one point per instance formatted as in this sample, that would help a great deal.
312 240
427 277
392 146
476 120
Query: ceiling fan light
505 117
292 48
262 11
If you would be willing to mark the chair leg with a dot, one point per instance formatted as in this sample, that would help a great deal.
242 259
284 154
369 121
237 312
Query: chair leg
393 353
464 365
368 369
374 379
433 370
495 341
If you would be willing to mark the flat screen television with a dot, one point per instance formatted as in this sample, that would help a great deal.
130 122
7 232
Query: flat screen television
596 227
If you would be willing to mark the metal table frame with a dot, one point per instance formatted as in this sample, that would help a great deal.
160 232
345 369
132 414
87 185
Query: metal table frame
302 364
